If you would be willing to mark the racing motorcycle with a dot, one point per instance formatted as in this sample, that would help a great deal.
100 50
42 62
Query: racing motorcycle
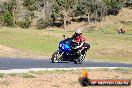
67 52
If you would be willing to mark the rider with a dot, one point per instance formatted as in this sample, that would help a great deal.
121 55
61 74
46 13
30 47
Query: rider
78 41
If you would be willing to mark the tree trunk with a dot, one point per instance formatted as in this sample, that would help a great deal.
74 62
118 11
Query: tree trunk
88 18
14 17
65 26
44 12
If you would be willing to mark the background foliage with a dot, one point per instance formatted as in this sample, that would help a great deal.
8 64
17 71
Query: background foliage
26 13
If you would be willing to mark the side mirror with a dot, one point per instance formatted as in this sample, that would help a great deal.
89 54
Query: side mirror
64 36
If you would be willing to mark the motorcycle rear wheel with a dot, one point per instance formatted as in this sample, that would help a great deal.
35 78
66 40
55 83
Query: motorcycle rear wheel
79 60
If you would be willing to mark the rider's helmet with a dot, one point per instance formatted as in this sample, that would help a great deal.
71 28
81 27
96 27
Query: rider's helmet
78 33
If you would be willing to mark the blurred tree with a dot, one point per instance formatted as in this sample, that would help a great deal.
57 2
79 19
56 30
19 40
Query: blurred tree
30 4
63 9
113 6
7 13
7 19
97 8
128 3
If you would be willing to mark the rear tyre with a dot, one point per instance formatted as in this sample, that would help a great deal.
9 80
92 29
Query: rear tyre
79 60
55 57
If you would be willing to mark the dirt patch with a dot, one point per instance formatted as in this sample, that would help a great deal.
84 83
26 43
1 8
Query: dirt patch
12 52
62 80
5 49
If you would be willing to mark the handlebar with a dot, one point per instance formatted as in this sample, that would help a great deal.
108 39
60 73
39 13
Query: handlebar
64 36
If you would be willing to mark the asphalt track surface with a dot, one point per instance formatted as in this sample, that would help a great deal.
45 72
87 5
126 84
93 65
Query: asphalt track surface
17 63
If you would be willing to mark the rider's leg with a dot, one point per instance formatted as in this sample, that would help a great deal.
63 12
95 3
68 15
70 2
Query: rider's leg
86 47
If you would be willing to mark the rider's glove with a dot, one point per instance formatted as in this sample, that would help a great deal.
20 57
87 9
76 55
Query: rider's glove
74 48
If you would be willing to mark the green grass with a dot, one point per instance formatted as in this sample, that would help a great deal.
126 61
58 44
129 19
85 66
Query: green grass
125 70
31 74
106 44
23 75
13 74
2 75
26 75
33 40
47 72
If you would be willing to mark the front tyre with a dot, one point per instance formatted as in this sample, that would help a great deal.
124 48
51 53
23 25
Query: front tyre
55 57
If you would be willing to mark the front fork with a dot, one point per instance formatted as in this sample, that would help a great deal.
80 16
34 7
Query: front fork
61 55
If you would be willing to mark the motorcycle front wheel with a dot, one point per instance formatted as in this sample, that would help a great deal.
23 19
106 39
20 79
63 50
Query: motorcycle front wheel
55 57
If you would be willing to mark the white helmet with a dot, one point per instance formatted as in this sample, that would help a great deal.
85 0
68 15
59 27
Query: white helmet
78 31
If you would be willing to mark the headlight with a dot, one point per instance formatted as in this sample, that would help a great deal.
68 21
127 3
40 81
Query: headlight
62 47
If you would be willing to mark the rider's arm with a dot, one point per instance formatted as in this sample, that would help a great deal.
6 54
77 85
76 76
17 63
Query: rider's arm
80 45
81 42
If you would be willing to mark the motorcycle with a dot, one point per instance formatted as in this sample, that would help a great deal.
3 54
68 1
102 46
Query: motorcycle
66 52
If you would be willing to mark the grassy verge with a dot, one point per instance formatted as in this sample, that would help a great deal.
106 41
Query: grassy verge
32 74
50 72
35 74
106 45
66 78
23 75
1 75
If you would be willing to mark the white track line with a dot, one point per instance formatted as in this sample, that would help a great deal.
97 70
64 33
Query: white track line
52 69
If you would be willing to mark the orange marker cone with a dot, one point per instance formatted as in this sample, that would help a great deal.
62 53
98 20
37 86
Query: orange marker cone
86 74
